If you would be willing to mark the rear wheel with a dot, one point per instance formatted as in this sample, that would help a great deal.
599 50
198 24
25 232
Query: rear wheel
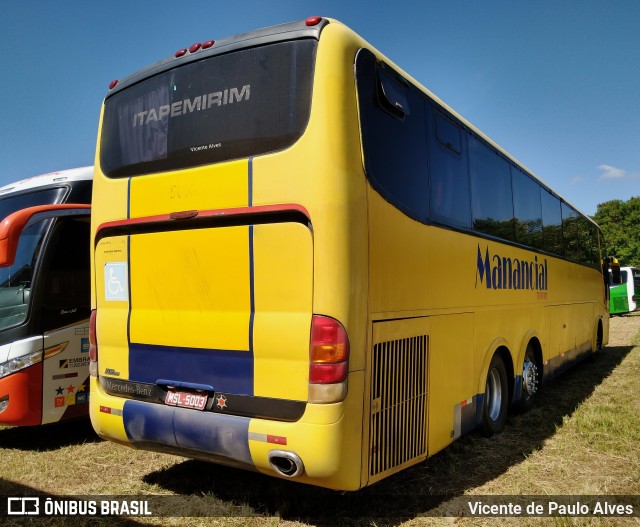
496 398
531 380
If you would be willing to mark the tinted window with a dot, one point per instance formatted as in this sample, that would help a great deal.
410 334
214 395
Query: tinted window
551 223
41 197
16 280
449 173
527 209
448 133
588 239
392 120
225 107
393 94
492 198
64 282
571 233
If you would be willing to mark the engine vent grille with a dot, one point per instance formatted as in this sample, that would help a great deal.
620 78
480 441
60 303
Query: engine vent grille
398 404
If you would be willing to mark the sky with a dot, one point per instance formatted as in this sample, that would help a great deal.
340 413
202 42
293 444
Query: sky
555 83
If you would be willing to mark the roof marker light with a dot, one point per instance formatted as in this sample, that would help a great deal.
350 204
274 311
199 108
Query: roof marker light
181 53
113 84
195 47
313 20
208 44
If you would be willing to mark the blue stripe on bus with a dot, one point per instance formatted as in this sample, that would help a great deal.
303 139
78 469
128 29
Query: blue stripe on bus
226 370
217 434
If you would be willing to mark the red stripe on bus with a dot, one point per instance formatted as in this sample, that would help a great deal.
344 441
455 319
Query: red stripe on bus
240 211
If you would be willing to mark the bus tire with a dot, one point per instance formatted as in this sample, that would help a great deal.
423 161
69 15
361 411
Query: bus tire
531 380
496 398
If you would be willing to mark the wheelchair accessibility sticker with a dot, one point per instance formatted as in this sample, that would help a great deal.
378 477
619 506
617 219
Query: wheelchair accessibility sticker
115 281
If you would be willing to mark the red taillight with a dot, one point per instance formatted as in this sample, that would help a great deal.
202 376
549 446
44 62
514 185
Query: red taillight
181 53
313 20
195 47
93 344
208 44
329 351
327 373
113 84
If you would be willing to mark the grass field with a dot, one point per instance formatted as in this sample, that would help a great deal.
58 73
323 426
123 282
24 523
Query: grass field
581 438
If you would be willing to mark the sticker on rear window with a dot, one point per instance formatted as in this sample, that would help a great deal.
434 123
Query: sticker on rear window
115 281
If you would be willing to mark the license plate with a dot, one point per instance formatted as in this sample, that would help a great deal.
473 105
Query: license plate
186 400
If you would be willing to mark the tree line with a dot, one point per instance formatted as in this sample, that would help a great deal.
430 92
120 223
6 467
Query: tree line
620 223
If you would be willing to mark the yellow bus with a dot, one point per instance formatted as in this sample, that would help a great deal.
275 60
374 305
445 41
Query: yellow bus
306 264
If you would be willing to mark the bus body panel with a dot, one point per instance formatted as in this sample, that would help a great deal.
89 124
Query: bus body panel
279 266
473 317
65 376
111 256
633 286
327 442
22 394
630 287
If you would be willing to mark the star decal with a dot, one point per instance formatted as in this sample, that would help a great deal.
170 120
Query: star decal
221 402
59 390
70 388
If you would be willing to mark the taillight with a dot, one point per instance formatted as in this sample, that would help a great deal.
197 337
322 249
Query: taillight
328 360
327 373
313 20
93 345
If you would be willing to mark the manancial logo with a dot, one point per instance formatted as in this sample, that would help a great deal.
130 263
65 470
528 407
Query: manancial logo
502 272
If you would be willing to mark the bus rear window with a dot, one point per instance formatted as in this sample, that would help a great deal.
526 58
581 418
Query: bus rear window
225 107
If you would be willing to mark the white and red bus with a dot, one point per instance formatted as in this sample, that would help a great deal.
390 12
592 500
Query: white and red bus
45 298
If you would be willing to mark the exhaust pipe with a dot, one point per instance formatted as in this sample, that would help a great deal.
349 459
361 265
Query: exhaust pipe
286 463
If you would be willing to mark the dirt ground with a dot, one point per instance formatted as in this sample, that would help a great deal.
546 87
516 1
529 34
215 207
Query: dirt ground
624 329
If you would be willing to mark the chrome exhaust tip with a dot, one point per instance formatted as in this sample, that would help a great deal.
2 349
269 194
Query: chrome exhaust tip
286 463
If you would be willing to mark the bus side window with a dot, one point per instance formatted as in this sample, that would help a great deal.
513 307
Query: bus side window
527 205
491 191
392 95
394 142
551 223
448 133
571 233
65 278
448 171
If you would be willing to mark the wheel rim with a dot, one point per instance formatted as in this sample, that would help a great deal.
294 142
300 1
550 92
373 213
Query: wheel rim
530 377
494 395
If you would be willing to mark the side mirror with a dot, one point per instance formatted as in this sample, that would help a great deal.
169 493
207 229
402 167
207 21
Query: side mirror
12 226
